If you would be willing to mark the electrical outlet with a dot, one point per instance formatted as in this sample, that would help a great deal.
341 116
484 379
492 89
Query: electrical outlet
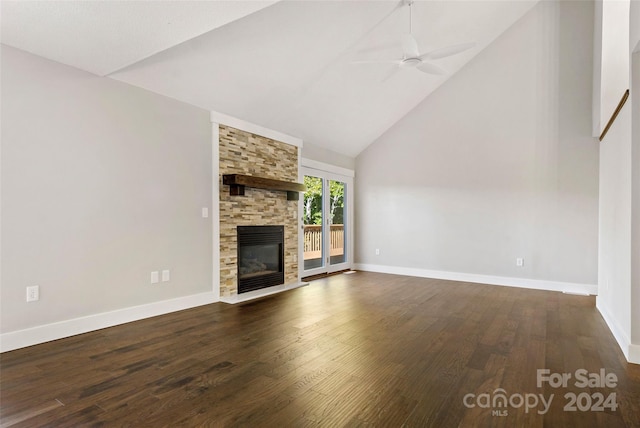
166 276
520 262
155 277
33 293
377 251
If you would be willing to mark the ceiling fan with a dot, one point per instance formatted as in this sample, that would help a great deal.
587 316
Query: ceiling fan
411 56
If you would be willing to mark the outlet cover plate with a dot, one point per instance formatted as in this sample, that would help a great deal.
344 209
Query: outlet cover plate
33 293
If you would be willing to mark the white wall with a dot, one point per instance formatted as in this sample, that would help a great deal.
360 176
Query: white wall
498 163
320 154
619 277
614 73
634 45
596 100
634 26
614 260
102 183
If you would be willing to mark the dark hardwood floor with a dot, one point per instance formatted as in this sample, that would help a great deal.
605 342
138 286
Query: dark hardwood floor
347 350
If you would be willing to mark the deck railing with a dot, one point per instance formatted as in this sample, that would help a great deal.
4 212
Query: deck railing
313 240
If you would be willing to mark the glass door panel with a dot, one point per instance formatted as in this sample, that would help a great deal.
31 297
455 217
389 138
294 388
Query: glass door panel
337 222
312 210
325 213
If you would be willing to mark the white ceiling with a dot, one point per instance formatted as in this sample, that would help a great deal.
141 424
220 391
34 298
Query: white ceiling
104 36
284 65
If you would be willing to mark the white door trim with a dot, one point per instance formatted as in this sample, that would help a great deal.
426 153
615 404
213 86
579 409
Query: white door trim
331 172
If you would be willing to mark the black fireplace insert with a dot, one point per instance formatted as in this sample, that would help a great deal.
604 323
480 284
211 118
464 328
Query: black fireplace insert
260 257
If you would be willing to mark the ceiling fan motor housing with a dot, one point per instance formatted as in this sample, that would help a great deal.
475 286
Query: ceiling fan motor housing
411 62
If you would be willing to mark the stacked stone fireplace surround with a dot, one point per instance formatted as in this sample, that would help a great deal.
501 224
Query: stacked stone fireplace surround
242 152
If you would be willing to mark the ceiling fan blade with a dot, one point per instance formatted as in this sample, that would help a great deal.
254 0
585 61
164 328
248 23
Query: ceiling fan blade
409 46
447 51
427 67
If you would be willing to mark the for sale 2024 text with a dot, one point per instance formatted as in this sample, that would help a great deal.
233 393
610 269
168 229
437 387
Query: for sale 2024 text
582 378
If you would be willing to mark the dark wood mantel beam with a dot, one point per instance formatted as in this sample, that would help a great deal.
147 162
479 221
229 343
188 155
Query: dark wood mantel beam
237 183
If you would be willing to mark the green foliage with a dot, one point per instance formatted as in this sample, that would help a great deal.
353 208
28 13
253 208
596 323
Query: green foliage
313 201
336 203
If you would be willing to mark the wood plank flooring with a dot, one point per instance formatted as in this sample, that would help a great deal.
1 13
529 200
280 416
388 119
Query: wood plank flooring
349 350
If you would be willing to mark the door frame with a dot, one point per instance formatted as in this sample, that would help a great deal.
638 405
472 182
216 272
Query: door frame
328 172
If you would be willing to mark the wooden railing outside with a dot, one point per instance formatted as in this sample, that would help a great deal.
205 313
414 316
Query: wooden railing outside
313 241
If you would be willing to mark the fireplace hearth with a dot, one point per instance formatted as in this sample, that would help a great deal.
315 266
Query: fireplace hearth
260 257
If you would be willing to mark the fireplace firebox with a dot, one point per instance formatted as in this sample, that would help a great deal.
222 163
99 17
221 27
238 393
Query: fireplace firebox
260 257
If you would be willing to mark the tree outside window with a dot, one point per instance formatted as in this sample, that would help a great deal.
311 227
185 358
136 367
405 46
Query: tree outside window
313 201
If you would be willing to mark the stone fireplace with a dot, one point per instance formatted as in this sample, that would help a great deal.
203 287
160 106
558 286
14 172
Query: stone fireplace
242 152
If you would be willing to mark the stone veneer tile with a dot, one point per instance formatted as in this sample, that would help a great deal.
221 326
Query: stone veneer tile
245 153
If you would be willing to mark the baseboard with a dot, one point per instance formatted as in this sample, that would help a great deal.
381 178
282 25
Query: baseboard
634 354
631 352
618 333
45 333
536 284
263 292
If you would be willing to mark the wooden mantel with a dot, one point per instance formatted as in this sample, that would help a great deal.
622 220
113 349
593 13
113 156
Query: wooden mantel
237 183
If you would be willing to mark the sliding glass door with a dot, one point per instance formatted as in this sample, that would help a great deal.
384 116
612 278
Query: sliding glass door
325 217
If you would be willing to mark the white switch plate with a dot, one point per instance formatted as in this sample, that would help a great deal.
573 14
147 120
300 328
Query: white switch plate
520 261
33 293
166 276
205 212
377 251
155 277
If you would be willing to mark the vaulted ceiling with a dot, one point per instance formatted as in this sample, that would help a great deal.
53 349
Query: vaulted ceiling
285 65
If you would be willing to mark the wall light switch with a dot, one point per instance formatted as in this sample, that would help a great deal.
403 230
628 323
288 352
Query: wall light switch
520 261
377 251
155 277
205 212
166 276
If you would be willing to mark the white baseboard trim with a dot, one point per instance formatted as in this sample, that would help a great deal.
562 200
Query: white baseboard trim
631 352
48 332
251 295
536 284
634 354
